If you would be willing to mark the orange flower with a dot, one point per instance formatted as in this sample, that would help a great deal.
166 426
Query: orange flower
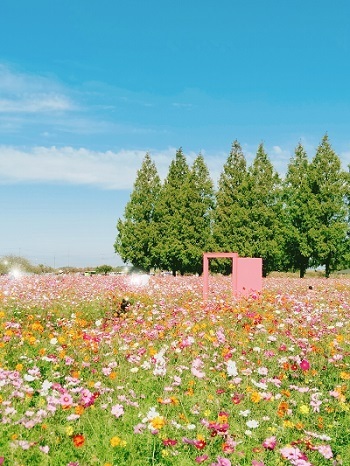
282 409
78 440
79 410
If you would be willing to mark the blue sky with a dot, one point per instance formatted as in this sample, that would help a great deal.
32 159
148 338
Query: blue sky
88 87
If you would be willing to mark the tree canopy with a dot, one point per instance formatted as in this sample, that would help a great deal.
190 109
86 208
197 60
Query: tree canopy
294 223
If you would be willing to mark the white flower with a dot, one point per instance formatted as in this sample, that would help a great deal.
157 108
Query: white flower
146 365
191 426
152 413
98 323
261 385
53 341
245 413
231 368
252 424
46 385
28 378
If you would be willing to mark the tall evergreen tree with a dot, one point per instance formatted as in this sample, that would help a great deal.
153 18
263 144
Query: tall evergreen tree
329 188
172 217
200 210
231 217
266 226
136 239
299 213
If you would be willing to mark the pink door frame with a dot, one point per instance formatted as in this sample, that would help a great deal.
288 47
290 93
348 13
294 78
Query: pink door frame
246 275
214 255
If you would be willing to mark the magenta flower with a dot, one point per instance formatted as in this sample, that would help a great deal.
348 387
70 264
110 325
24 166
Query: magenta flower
304 365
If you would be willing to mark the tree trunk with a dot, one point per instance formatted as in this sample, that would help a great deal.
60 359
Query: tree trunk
328 267
304 261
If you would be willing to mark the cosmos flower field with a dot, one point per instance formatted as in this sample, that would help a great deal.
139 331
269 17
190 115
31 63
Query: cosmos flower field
258 381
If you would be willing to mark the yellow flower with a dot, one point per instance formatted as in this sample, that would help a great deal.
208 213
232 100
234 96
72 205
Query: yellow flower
345 375
255 397
115 441
344 406
304 409
158 422
69 430
288 424
19 367
165 453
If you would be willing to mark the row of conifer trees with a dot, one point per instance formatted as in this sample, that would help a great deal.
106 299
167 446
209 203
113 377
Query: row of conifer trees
293 223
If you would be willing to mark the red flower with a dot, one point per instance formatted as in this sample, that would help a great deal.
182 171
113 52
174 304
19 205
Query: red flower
78 440
168 442
200 444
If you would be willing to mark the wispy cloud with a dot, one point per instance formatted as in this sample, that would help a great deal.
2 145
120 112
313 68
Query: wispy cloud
36 104
26 93
106 170
32 104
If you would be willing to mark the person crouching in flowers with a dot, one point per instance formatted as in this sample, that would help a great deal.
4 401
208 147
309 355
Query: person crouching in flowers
123 307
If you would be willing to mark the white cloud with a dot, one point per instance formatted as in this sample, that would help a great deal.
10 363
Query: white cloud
107 170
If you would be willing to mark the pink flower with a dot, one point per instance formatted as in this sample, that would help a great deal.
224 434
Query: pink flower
139 428
304 365
45 449
222 462
201 459
270 443
117 410
66 400
325 451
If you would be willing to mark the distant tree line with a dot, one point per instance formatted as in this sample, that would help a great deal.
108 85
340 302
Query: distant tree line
294 223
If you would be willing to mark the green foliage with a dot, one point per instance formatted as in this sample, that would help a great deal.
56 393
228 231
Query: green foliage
136 239
10 263
173 217
231 216
299 212
201 205
329 186
265 232
104 269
